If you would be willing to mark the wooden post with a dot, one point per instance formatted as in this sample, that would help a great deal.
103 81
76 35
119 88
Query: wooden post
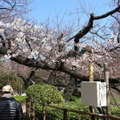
91 72
91 78
33 110
44 112
28 108
65 114
106 78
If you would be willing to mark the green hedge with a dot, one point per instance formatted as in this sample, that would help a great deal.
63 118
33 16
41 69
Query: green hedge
45 93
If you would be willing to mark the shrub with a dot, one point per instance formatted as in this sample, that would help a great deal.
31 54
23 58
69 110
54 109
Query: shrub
45 93
48 94
20 99
115 110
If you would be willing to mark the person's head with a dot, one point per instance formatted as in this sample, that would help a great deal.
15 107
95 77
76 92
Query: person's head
7 89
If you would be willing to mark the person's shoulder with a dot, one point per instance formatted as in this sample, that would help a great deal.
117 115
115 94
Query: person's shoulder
16 103
14 100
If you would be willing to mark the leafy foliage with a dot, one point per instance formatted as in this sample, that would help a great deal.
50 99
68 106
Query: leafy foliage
115 111
13 80
20 98
45 93
49 94
75 105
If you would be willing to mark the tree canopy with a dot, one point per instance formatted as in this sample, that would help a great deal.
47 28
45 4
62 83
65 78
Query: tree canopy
39 46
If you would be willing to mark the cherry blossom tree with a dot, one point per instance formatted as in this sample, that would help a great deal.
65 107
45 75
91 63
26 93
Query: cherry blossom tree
11 8
38 46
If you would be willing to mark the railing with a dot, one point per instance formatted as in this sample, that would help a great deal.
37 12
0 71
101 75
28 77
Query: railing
31 111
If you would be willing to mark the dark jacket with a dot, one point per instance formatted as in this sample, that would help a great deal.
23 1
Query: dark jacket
10 109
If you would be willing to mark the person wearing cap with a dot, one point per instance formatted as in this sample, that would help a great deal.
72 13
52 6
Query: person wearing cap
10 109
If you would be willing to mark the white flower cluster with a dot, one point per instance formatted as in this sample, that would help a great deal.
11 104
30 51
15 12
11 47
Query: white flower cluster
29 39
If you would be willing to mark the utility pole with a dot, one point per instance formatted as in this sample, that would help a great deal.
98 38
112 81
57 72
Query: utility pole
106 78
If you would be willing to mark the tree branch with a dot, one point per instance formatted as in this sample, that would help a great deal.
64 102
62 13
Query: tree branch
86 29
107 14
9 4
2 40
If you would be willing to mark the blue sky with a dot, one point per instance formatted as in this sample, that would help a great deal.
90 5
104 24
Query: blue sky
44 9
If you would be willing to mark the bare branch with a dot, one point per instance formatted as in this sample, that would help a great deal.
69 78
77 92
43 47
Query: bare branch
27 41
116 19
107 14
86 29
11 6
